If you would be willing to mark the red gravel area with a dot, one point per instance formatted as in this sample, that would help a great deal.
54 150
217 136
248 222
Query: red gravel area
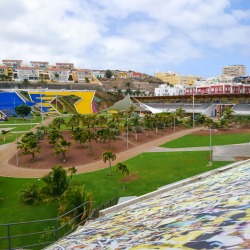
81 155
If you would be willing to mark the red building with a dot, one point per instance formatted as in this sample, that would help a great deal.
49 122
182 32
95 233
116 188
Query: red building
137 75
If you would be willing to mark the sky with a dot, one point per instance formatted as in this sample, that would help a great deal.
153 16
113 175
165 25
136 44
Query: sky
196 37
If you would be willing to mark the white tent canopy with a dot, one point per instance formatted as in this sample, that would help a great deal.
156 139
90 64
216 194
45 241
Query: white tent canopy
124 104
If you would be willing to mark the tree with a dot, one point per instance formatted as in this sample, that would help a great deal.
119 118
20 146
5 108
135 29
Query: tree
102 120
108 156
108 73
56 75
61 147
131 110
136 125
127 84
119 91
228 113
179 112
164 117
87 79
93 119
23 110
72 123
78 118
124 169
58 122
25 82
207 123
54 136
72 171
115 87
79 136
45 129
30 193
42 81
4 133
89 137
56 183
148 125
23 144
72 198
32 149
108 135
137 92
128 91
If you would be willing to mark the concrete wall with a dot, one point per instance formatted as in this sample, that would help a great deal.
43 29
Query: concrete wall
68 86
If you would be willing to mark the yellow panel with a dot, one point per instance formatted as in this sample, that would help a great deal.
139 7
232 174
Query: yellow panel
83 106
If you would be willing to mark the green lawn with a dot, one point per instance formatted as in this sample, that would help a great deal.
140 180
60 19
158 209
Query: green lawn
153 169
13 120
204 140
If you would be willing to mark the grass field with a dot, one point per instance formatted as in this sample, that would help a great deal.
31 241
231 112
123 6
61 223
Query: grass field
13 120
153 170
204 140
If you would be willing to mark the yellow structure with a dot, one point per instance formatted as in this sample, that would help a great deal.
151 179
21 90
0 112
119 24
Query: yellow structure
177 79
83 106
123 75
4 71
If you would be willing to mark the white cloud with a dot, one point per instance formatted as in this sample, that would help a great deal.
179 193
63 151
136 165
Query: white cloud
131 34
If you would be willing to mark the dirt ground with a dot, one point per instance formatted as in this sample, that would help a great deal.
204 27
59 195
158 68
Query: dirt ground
78 156
222 131
130 177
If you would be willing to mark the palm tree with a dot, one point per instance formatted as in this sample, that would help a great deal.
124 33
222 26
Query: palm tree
56 75
108 156
42 81
102 120
157 118
203 118
136 125
30 193
93 120
137 92
128 84
25 82
148 125
78 118
61 147
57 122
56 183
131 110
32 149
164 117
107 134
89 137
43 128
72 171
72 198
119 91
4 133
72 123
180 112
228 113
207 123
115 87
80 137
54 136
124 169
23 144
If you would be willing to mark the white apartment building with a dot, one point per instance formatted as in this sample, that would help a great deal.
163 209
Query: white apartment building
165 90
30 73
13 64
42 65
69 66
234 70
63 74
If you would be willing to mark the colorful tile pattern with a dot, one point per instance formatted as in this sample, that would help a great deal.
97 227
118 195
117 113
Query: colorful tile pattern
213 213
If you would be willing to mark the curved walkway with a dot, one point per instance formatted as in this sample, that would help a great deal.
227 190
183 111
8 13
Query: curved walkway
12 171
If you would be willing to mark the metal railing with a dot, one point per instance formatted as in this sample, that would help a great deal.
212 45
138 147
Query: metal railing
69 222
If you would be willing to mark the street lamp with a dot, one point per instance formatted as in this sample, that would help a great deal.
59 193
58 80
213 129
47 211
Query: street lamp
41 105
193 105
211 160
174 121
16 132
127 132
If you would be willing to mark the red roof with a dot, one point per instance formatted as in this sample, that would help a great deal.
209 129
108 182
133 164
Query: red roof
28 68
3 67
65 63
58 69
12 60
37 62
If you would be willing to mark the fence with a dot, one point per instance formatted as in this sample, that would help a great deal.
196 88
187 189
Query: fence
56 228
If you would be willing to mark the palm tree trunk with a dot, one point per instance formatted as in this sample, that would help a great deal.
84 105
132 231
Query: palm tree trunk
109 142
123 183
136 136
164 127
90 147
156 130
109 167
4 138
146 132
33 156
64 160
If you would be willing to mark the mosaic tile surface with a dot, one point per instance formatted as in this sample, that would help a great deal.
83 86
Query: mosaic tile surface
213 213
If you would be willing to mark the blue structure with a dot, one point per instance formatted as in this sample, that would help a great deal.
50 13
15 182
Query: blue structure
10 100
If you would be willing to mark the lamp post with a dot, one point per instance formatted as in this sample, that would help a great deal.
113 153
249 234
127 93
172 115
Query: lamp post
41 106
16 132
174 121
127 132
211 160
193 106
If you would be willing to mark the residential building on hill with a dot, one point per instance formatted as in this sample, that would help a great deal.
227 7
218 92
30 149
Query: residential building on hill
165 90
177 79
58 74
30 73
42 65
123 75
3 71
234 70
80 74
69 66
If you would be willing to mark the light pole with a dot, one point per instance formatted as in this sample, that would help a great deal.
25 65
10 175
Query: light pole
193 106
16 144
211 160
56 104
127 132
41 106
174 121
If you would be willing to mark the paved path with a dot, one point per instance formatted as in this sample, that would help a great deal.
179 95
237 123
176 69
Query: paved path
12 171
160 149
2 147
7 129
17 124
